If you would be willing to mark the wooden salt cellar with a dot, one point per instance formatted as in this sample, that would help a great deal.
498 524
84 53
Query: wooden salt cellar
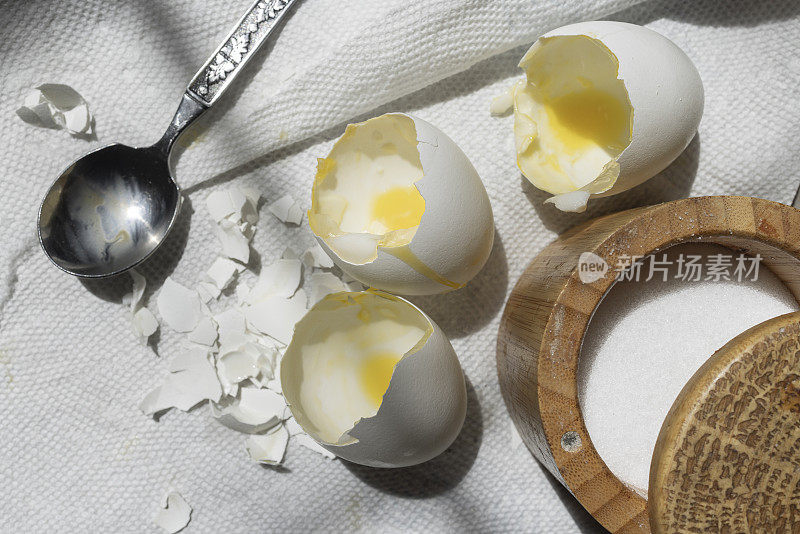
543 327
728 456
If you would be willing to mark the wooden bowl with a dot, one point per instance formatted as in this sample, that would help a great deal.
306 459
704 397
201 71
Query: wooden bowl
546 316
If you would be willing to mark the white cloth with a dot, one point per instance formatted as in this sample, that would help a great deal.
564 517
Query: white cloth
77 455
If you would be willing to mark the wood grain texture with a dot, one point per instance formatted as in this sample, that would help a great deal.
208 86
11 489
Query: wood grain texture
547 313
727 458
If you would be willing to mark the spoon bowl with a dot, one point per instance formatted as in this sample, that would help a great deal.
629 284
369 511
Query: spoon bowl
108 211
111 209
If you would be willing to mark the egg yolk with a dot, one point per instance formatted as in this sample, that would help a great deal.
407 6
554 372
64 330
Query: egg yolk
376 373
588 117
398 208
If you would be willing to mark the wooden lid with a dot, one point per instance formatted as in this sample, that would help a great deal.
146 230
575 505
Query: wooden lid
727 458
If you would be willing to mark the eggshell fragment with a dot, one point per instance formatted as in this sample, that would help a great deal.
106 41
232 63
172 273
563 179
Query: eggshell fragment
192 379
222 272
253 411
456 230
235 244
205 333
276 316
279 279
175 515
268 448
54 105
179 306
208 291
421 412
232 328
287 210
315 257
502 103
239 364
222 204
145 323
323 284
290 254
574 201
134 298
308 442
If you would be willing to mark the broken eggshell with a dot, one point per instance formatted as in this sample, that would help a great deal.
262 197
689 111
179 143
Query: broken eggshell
419 414
253 411
174 514
455 233
656 90
55 105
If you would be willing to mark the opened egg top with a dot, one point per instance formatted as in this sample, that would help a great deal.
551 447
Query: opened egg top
604 107
398 206
374 380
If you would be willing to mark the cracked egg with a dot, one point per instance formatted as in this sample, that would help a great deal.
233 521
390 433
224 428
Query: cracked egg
399 207
604 107
374 380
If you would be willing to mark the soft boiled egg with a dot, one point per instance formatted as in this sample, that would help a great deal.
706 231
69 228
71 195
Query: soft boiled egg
374 380
604 107
399 207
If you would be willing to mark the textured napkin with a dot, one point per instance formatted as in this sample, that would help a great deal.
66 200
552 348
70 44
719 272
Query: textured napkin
78 455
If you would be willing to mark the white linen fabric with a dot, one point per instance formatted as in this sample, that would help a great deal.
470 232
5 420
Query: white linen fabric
78 455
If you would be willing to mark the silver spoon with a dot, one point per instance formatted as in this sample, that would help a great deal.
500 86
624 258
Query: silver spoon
113 207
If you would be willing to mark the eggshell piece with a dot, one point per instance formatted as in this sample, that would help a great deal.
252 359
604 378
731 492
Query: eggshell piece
232 328
574 201
235 244
192 379
269 448
276 316
54 105
252 412
222 272
145 323
279 279
316 258
179 306
175 514
323 284
502 103
134 298
287 210
304 440
222 204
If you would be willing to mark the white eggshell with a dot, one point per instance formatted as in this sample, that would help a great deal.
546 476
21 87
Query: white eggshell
422 411
456 233
664 89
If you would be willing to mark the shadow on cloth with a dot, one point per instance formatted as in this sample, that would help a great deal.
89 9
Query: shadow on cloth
462 312
583 519
234 92
486 72
437 475
711 12
672 183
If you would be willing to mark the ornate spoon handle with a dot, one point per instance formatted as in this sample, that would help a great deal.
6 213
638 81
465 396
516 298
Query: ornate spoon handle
223 66
227 61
